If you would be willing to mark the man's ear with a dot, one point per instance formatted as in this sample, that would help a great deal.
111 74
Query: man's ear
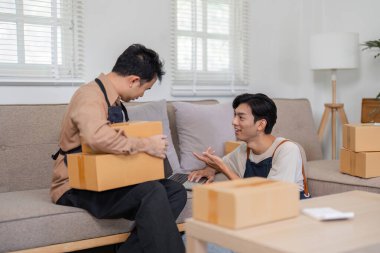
262 124
132 80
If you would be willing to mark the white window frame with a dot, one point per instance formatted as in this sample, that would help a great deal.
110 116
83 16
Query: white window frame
71 70
207 83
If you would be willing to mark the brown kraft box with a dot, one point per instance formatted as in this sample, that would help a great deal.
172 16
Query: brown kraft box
245 202
133 129
230 146
360 164
100 172
361 137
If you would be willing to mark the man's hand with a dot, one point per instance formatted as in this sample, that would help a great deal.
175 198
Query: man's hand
207 172
156 145
211 160
216 163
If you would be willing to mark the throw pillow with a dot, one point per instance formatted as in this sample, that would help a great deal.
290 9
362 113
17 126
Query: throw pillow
155 111
200 127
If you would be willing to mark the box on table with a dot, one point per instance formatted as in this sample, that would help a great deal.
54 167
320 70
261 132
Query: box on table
245 202
100 172
230 146
360 164
361 137
133 129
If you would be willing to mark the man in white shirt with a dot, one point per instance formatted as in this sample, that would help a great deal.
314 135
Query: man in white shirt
261 154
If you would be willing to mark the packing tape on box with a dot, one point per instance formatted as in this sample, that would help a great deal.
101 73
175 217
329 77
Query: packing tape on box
82 180
212 214
348 137
352 163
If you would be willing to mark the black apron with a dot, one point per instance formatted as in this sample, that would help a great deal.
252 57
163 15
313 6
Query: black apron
116 114
260 169
263 168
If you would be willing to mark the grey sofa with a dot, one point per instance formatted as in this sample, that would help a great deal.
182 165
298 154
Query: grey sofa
29 222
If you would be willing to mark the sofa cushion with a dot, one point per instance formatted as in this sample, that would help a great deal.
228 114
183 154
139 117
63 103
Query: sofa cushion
325 178
155 111
200 127
295 122
29 135
172 119
32 216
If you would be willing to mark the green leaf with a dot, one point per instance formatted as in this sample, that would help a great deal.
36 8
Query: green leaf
372 44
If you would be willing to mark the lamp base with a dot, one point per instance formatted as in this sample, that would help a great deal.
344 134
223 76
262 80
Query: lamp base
333 109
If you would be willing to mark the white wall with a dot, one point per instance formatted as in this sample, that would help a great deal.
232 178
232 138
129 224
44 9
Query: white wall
353 85
280 32
113 25
278 49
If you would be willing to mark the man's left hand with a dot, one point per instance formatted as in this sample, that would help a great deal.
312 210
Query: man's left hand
211 160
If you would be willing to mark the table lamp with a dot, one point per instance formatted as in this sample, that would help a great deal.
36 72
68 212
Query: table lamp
332 51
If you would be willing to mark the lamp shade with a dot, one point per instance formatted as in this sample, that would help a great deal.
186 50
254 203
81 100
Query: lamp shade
334 50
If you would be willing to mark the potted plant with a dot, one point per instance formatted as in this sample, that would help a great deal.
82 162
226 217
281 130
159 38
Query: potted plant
372 44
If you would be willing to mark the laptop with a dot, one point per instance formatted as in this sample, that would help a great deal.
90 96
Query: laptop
182 179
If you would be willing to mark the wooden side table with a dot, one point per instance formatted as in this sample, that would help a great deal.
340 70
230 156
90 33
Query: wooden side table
301 234
332 109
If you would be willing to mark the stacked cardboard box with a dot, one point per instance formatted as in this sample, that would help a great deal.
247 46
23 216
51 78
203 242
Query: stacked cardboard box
360 155
245 202
93 171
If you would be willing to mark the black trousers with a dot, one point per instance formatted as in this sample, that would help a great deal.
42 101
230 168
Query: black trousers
154 205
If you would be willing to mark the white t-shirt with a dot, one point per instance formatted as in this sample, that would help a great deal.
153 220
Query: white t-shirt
286 162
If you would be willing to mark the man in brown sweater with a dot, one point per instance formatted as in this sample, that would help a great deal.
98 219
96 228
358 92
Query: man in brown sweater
154 205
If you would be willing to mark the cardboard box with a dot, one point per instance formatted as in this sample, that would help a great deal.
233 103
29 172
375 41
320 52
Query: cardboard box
361 137
245 202
230 146
104 172
360 164
134 129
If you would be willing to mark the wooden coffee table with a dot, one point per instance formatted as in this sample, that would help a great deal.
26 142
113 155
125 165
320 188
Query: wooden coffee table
301 234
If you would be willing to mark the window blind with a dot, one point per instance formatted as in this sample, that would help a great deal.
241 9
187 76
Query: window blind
209 52
41 41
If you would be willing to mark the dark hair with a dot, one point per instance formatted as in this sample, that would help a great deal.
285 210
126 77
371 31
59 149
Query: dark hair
140 61
262 107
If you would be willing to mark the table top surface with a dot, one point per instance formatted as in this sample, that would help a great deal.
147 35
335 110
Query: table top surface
304 234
